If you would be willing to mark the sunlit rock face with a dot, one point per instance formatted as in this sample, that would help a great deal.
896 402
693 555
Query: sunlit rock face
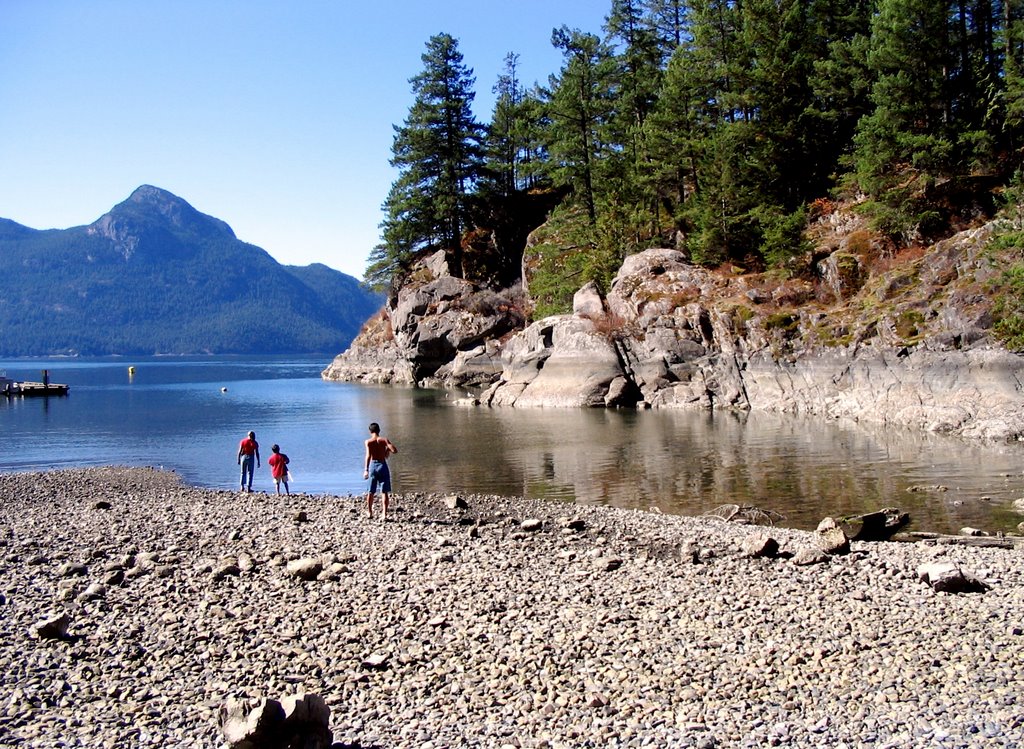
670 334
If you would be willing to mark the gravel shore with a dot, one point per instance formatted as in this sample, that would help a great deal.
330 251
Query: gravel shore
468 627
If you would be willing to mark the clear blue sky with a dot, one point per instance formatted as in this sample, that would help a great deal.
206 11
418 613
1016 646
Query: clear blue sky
273 116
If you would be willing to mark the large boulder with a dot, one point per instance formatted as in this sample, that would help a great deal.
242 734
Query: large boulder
301 720
948 577
560 361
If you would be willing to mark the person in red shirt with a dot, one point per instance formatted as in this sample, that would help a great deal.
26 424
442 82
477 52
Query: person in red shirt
248 451
279 469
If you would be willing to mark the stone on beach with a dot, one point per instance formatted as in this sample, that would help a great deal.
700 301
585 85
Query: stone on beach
296 721
833 541
94 592
455 502
305 569
53 627
807 556
760 544
532 525
948 577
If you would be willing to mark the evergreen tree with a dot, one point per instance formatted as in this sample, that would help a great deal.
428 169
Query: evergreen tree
1012 43
534 121
515 151
402 236
503 135
439 152
637 78
840 82
580 104
669 21
776 34
718 72
639 63
675 133
909 138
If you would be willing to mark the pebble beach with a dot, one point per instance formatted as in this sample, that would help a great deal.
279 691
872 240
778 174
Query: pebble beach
481 621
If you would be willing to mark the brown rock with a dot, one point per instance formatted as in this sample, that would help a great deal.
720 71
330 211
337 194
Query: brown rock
52 627
834 541
808 556
759 545
947 577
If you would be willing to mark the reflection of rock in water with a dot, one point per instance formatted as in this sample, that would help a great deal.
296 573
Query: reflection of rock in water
689 462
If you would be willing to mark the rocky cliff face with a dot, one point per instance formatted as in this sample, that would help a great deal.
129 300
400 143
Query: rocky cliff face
908 346
439 331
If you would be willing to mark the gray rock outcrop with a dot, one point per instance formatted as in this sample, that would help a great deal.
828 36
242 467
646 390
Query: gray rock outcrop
670 334
439 330
659 345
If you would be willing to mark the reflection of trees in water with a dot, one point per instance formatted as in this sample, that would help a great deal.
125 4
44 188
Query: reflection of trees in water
691 462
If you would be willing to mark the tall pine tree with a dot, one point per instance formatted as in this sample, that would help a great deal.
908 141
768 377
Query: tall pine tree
580 105
439 153
909 138
638 77
514 147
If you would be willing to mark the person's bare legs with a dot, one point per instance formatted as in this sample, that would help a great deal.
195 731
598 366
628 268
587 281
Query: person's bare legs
369 504
387 498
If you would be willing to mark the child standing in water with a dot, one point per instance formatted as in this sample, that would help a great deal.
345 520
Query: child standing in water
376 470
279 469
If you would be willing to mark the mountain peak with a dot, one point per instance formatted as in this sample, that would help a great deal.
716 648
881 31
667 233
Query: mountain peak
150 195
154 275
150 207
177 211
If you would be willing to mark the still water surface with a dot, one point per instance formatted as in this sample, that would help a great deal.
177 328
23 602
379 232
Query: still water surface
174 413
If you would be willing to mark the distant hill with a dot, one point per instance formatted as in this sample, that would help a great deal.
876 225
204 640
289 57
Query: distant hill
156 276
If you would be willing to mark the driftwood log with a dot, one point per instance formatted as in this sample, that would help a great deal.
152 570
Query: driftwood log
745 515
985 542
880 525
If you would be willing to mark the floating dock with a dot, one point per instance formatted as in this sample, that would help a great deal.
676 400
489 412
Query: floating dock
36 389
45 389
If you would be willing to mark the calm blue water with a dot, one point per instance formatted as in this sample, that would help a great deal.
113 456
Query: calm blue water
173 414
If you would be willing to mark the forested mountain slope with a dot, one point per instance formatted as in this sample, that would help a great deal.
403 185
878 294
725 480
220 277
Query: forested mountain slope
156 276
